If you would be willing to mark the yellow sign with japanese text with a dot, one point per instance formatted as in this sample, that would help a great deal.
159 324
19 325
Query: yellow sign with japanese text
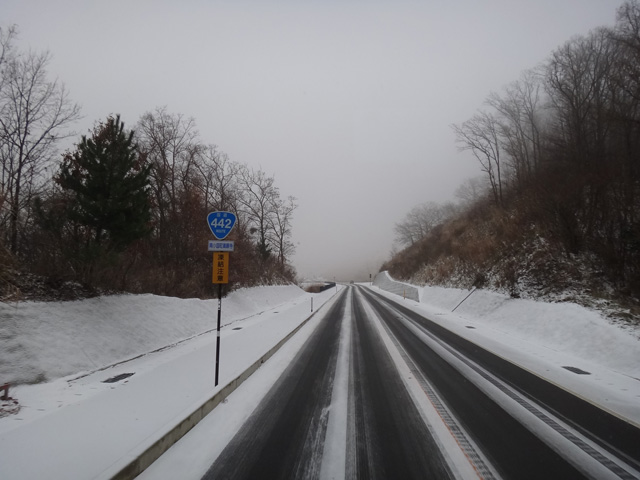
220 267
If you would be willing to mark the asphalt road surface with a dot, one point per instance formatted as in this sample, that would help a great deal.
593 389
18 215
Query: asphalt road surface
379 392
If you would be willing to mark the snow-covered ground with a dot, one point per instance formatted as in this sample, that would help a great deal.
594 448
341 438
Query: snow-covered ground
500 324
76 426
545 338
42 341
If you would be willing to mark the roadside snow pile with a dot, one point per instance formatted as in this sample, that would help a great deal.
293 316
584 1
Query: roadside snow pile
41 341
563 327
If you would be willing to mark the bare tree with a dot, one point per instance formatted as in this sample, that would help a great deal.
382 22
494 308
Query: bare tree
219 178
7 37
481 135
471 191
170 142
420 220
34 111
626 36
520 121
281 228
258 203
578 80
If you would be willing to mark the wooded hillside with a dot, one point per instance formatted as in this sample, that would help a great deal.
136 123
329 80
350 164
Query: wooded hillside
557 213
126 208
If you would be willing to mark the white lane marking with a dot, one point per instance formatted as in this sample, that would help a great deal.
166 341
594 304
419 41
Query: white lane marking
335 443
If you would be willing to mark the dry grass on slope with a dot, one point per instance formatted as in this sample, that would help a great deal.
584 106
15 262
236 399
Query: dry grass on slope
504 251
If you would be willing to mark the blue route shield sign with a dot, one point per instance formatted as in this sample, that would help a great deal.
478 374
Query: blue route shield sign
221 223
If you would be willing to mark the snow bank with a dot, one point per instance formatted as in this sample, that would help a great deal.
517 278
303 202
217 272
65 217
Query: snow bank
564 327
41 341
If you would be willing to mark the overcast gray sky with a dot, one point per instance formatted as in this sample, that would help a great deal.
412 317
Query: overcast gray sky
347 103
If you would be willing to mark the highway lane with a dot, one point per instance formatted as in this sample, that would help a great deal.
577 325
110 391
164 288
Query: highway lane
391 438
347 407
513 449
286 437
528 427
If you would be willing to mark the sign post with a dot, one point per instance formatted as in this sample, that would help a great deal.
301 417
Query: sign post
220 224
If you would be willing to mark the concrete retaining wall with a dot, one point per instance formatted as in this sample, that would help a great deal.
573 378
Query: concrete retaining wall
385 282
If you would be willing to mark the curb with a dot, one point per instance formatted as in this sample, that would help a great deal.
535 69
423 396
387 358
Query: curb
160 446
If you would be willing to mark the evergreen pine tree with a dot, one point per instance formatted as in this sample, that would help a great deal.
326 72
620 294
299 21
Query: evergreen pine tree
109 181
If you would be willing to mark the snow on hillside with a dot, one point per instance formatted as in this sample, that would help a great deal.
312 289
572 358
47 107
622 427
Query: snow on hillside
42 341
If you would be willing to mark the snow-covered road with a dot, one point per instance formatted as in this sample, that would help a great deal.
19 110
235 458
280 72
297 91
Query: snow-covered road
80 427
529 427
362 425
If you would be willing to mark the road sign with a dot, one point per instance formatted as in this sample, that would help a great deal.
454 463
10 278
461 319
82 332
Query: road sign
220 268
221 223
221 246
